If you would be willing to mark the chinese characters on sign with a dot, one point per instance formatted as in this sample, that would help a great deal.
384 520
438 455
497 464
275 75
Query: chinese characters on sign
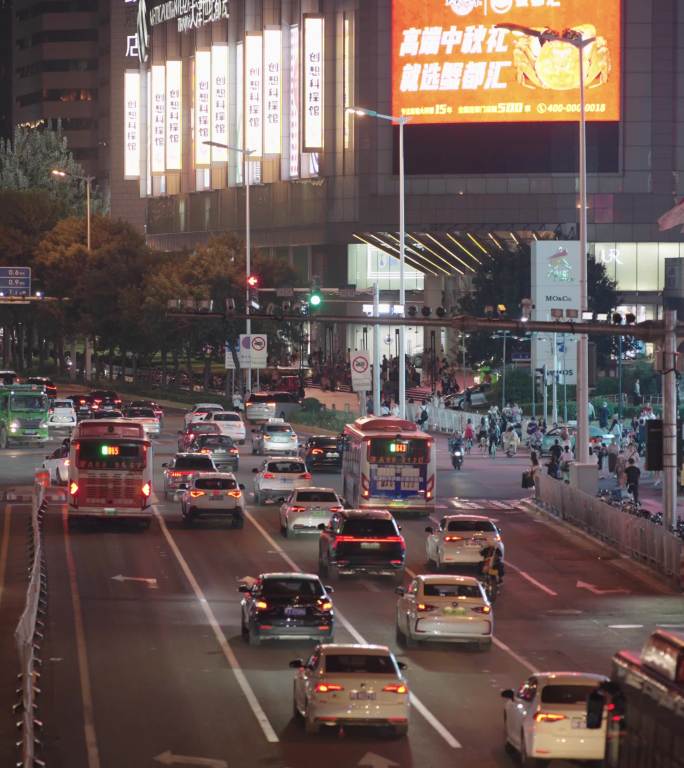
272 91
202 108
132 125
158 119
451 63
313 83
294 101
190 14
254 94
219 101
174 146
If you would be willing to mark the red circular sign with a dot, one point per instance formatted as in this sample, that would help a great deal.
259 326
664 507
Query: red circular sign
258 343
360 364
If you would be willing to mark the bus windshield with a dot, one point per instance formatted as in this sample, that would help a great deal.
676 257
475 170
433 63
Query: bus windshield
21 402
110 454
393 450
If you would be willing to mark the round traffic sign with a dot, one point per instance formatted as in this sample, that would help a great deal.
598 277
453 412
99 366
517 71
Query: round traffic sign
258 343
360 364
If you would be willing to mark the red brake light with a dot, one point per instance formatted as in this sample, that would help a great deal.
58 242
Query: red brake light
336 509
325 605
146 490
424 607
548 717
73 488
305 476
481 609
235 494
396 688
297 509
234 450
261 605
268 475
316 451
328 687
453 538
195 494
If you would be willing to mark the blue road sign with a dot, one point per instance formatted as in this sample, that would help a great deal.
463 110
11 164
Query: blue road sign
15 281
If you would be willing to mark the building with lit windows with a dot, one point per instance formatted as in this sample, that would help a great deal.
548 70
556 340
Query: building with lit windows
490 150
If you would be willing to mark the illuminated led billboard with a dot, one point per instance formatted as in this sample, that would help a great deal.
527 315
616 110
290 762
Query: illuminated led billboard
133 116
202 108
273 78
254 112
452 64
174 133
158 134
313 84
219 101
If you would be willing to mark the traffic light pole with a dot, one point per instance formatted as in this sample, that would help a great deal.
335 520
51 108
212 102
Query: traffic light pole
248 262
376 351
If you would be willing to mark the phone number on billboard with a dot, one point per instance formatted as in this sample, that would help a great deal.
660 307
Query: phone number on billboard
544 108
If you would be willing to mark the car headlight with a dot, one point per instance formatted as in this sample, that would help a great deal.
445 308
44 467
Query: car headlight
14 426
42 425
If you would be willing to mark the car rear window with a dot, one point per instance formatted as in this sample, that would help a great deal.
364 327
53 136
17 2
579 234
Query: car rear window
323 442
260 399
286 466
206 428
288 587
566 694
344 664
279 428
134 413
451 590
62 404
214 441
215 484
226 417
472 526
316 496
369 526
200 463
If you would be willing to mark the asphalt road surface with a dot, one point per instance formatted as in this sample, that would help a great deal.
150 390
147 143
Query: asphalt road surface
145 666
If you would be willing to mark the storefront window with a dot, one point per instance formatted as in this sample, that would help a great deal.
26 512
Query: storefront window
367 265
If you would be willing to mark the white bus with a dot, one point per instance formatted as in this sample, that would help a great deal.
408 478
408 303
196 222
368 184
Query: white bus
110 471
389 463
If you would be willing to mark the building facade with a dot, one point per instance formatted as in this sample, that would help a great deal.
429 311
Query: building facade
490 149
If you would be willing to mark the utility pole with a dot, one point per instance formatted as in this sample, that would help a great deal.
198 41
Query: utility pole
670 421
376 352
554 382
546 397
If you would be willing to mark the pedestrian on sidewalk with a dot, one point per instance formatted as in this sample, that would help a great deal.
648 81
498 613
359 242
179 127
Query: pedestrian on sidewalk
632 473
566 460
534 470
601 453
556 451
620 467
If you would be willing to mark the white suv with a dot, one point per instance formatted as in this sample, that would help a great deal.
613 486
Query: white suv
277 478
275 436
214 494
62 416
230 423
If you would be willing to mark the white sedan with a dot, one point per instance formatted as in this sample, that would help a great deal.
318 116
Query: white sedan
307 508
62 416
351 684
460 539
57 464
444 608
277 478
545 718
230 423
200 412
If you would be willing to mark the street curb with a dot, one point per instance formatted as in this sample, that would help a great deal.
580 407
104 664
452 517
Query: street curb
624 562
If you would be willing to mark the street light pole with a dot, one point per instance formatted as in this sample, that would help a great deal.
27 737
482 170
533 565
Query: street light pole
401 121
248 237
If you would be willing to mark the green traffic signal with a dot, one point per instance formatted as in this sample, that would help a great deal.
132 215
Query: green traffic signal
315 299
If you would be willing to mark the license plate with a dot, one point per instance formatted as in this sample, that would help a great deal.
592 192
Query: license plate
319 513
30 431
293 612
332 455
286 480
578 722
455 610
370 545
475 543
110 510
216 496
362 695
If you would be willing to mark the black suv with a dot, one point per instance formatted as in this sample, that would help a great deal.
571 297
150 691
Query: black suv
361 541
323 452
286 605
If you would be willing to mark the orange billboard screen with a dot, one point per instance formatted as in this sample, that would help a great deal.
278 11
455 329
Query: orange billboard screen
452 64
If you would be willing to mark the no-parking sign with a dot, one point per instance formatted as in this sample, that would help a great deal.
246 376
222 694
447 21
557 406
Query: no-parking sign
360 371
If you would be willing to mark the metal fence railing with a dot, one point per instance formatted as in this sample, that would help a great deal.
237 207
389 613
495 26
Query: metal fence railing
28 634
636 537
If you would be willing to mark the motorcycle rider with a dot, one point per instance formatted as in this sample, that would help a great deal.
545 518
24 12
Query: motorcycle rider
456 449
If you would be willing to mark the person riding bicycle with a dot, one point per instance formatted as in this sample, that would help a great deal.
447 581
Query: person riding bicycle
492 564
469 435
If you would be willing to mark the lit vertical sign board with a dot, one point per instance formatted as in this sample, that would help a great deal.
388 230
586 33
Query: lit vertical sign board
219 101
174 102
313 83
273 88
294 101
239 108
202 108
133 117
158 118
254 80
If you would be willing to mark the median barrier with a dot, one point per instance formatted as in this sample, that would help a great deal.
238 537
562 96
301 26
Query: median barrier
637 537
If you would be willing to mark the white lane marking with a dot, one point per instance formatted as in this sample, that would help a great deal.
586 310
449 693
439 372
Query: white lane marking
4 548
625 626
596 591
92 750
415 701
531 579
169 758
221 639
670 626
151 583
520 659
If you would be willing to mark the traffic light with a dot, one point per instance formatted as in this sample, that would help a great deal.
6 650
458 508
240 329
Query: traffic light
253 291
315 297
253 281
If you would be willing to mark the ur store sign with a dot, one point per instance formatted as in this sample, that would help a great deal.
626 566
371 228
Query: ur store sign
451 64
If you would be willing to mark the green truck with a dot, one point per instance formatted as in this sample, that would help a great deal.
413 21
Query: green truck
23 415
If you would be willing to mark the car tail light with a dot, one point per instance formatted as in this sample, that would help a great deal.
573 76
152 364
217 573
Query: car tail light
336 509
297 509
316 452
325 605
234 450
328 687
235 494
428 494
96 406
205 450
305 476
73 488
424 607
547 717
273 404
146 490
481 609
66 463
268 475
396 562
365 493
261 605
453 538
396 688
195 494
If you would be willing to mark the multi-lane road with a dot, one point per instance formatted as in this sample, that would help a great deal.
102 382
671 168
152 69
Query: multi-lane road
145 665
